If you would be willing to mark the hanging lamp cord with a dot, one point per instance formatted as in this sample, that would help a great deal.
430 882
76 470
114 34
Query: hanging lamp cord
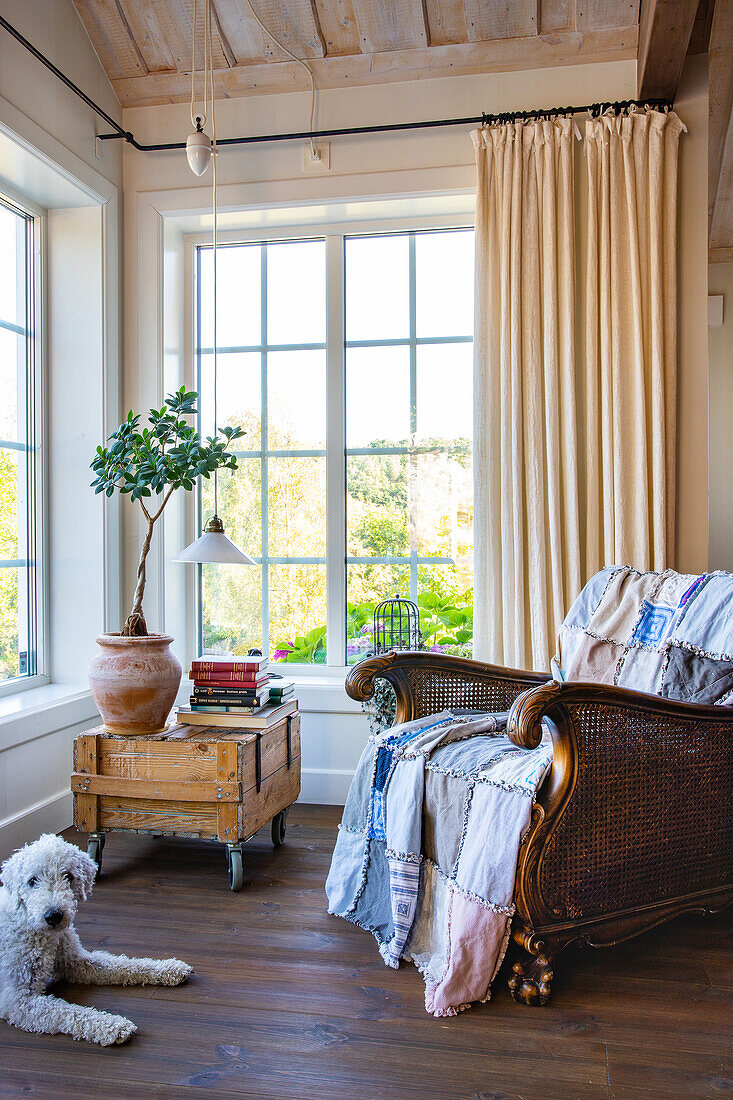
298 61
210 60
199 120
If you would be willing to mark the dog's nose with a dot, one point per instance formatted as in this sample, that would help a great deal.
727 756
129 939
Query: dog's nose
53 917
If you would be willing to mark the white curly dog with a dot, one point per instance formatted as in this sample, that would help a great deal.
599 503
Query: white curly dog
43 884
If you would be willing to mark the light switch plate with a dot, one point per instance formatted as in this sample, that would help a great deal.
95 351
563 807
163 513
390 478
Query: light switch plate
321 163
715 310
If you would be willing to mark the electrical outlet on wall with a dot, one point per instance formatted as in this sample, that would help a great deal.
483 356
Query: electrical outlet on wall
715 310
321 162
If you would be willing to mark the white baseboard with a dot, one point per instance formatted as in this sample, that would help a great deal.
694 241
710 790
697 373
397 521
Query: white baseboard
49 816
325 785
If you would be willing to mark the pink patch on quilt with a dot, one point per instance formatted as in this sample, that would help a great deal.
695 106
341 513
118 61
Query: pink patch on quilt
477 942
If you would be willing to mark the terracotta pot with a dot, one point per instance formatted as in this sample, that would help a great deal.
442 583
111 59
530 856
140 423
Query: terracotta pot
134 682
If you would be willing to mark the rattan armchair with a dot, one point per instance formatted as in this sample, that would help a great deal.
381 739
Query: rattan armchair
634 823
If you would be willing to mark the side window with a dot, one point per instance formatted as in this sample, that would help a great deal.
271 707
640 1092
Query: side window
19 626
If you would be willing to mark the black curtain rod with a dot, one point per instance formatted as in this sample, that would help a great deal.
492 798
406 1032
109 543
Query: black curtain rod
483 119
474 120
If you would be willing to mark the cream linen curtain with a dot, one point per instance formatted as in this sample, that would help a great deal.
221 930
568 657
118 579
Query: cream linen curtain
630 339
534 545
526 516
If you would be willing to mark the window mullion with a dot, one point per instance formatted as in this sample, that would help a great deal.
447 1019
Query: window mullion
335 454
412 460
264 443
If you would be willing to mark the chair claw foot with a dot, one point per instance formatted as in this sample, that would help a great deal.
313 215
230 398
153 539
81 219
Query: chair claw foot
530 982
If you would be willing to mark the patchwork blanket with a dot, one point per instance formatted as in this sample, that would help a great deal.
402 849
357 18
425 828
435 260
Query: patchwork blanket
427 849
669 634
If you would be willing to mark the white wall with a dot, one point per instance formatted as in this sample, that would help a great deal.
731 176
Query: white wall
82 555
55 29
47 155
720 350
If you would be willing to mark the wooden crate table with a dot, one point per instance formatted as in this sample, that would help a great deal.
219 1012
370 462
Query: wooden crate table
191 781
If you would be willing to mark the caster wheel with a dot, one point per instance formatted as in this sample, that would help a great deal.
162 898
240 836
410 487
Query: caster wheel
278 828
95 847
236 873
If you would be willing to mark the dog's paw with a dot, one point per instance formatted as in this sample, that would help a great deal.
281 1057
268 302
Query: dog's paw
107 1029
122 1030
174 972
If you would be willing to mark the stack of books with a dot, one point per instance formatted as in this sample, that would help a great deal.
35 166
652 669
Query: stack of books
281 689
236 692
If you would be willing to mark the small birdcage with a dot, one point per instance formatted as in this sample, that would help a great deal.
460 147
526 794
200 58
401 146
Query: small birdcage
396 625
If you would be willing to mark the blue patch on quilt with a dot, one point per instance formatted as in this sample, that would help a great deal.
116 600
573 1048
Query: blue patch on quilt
376 816
653 626
412 735
381 772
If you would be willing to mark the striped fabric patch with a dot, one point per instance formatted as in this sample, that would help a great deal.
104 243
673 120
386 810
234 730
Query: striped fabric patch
404 881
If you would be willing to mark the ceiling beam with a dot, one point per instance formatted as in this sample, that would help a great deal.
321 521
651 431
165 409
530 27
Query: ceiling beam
503 55
720 127
665 27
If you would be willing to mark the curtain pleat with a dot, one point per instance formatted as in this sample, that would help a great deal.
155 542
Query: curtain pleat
535 545
630 339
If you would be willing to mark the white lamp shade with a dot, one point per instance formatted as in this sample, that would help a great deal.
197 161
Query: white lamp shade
213 546
198 151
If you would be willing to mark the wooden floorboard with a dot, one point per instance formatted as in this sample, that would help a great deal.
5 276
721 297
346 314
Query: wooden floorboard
286 1001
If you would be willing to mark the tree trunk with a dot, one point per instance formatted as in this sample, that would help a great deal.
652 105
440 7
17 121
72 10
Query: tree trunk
135 626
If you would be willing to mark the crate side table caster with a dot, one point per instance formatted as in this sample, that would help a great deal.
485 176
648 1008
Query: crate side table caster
235 867
95 847
278 828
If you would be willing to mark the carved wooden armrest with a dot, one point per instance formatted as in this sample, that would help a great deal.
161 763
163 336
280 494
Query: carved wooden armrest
658 716
426 683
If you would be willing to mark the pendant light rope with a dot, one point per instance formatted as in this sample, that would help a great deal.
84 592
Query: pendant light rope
198 121
212 546
215 226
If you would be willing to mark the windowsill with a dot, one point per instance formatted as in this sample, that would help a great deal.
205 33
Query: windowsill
26 715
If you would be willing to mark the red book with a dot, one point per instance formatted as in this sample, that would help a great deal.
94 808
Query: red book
226 679
229 664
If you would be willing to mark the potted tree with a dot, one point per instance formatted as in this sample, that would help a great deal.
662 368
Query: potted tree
135 678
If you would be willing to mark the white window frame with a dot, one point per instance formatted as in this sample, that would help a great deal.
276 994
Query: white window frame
334 234
37 425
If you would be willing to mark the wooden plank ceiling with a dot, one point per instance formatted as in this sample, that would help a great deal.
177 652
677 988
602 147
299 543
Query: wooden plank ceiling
145 45
720 133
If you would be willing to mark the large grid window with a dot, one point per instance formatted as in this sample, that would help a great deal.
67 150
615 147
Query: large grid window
18 572
340 511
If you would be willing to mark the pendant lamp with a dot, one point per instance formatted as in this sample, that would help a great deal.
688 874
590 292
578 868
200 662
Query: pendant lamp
213 545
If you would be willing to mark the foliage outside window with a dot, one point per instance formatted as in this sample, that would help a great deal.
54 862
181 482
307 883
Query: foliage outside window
406 474
18 565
